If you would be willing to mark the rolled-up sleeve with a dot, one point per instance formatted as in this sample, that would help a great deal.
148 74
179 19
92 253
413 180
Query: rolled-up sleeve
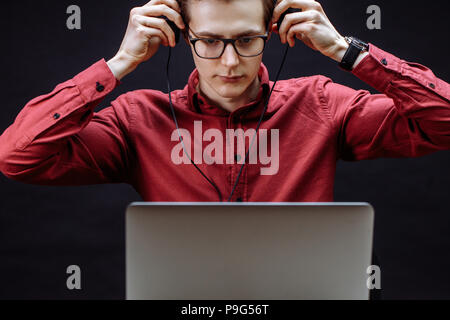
410 117
58 139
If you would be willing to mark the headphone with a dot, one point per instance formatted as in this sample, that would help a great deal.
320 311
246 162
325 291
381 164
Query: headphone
177 32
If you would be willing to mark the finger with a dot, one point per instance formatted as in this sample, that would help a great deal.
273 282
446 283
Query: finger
170 3
154 12
296 18
162 25
283 5
301 31
290 37
158 24
150 33
275 28
157 10
296 30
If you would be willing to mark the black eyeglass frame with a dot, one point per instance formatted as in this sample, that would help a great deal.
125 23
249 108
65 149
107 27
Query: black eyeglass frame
226 42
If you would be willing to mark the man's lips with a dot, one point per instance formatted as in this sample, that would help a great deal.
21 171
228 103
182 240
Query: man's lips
230 79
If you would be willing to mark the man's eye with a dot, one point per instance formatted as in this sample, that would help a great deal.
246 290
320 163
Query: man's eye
245 40
211 41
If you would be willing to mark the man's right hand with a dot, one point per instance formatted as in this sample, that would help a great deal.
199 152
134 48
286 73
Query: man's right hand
145 33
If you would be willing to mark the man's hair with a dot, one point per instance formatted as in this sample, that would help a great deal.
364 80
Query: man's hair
268 9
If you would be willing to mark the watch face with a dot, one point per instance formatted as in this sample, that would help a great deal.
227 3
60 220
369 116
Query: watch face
358 43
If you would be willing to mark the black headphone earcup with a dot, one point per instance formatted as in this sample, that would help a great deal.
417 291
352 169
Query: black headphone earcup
289 10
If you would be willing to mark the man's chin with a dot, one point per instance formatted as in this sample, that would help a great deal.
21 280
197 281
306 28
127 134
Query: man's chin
230 91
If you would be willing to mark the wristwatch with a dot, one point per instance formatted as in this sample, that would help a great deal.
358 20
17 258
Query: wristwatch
355 48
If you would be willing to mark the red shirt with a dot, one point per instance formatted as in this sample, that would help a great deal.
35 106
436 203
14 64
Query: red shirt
58 139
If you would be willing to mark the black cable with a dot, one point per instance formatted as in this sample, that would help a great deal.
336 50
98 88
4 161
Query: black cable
259 123
178 129
251 144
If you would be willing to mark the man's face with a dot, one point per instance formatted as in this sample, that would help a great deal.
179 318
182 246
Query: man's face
221 19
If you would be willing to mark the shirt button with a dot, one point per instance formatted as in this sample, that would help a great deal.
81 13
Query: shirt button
56 116
384 61
239 199
100 87
432 86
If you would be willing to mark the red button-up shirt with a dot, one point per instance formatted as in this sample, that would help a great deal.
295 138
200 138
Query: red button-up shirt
58 139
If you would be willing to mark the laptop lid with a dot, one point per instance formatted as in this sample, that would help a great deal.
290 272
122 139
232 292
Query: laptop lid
234 251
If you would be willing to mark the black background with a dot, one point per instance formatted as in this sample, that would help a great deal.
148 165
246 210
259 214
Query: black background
45 229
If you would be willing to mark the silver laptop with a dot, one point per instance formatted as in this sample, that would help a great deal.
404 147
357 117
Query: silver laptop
248 250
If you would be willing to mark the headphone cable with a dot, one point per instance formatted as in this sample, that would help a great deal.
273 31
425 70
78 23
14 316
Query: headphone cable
178 129
259 123
251 143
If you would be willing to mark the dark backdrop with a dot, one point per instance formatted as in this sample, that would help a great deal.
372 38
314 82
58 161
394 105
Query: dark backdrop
45 229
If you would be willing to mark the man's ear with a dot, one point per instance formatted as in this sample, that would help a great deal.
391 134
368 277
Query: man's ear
185 37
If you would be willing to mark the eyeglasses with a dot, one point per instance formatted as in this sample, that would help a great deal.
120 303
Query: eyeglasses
210 48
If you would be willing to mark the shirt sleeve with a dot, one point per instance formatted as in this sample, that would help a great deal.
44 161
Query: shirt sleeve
58 139
409 118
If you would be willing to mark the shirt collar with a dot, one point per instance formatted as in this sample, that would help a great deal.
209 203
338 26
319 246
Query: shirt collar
199 104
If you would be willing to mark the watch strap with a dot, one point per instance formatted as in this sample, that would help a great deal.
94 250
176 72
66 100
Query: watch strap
355 47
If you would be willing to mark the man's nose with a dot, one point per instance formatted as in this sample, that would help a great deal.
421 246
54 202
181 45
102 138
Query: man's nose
230 56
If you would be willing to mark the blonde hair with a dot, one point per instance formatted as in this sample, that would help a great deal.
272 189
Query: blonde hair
268 9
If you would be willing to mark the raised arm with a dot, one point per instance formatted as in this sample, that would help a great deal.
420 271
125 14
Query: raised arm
411 117
57 139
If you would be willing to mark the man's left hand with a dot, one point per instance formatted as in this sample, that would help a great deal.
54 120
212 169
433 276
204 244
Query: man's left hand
311 26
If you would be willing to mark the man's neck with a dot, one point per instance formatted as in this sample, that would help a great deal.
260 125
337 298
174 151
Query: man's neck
231 104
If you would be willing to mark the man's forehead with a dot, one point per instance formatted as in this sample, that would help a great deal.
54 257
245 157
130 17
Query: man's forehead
247 32
225 18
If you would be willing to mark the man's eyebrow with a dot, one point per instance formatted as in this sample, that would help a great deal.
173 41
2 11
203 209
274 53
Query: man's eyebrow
215 35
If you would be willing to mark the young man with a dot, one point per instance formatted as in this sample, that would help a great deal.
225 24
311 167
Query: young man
309 124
